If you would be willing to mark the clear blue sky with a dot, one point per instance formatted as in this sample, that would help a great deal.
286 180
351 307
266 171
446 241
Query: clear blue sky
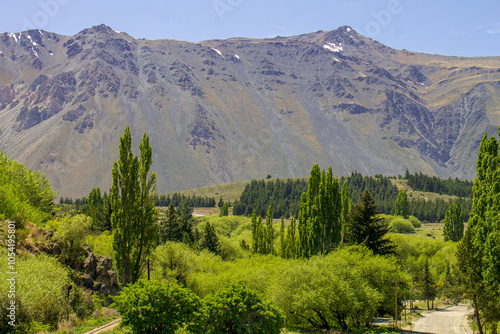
462 28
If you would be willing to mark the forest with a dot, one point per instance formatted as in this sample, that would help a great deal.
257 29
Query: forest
316 254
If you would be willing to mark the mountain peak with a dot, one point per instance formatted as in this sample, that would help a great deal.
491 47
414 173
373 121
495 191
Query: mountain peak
100 29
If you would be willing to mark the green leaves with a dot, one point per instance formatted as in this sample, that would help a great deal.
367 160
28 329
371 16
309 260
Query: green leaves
238 309
453 222
24 195
133 215
154 307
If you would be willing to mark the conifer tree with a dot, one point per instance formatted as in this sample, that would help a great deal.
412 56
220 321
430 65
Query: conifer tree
428 285
401 207
169 228
133 211
453 222
210 240
365 227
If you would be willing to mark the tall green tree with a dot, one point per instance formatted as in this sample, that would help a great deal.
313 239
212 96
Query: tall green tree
291 240
484 240
428 285
133 212
453 222
210 240
365 227
401 207
224 210
185 213
269 232
169 228
320 223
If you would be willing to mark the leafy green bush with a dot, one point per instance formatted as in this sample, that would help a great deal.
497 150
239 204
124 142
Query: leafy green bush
41 290
24 195
238 309
401 225
70 234
415 222
155 307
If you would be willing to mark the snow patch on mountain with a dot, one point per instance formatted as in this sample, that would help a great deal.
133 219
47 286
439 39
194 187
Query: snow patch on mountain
332 47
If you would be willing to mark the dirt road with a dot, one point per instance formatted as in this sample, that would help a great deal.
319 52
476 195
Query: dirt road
452 320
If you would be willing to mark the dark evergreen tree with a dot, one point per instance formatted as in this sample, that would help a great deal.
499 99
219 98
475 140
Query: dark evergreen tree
365 227
184 213
210 240
428 286
170 228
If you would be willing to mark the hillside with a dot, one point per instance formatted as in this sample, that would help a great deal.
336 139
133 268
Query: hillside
238 109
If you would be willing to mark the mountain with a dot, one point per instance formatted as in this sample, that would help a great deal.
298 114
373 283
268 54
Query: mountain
236 109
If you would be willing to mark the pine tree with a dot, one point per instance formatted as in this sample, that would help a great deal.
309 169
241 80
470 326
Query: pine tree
428 285
210 240
184 215
401 207
365 227
453 222
133 212
169 228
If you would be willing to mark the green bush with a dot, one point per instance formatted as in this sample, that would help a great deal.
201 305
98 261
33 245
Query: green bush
238 309
24 195
70 234
155 307
41 290
401 225
415 222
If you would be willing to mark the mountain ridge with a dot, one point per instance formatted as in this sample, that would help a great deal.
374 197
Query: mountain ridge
236 109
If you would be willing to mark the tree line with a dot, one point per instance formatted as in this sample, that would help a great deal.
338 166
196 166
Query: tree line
453 187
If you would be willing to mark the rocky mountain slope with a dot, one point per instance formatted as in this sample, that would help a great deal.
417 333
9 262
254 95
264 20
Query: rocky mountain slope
228 110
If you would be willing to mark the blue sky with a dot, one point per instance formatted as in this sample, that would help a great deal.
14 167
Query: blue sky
462 28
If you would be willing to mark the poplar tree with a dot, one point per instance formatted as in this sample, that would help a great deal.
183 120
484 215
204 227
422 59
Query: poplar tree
224 210
282 238
133 210
269 232
291 240
453 222
483 237
401 207
320 223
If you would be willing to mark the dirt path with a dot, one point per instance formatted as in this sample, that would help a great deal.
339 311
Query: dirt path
105 328
452 320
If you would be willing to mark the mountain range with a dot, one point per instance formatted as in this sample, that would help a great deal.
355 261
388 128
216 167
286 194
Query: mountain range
237 109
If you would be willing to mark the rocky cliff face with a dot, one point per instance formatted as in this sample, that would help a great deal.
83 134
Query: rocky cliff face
228 110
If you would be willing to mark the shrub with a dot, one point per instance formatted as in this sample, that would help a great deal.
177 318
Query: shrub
70 235
41 291
415 222
238 309
401 225
155 307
